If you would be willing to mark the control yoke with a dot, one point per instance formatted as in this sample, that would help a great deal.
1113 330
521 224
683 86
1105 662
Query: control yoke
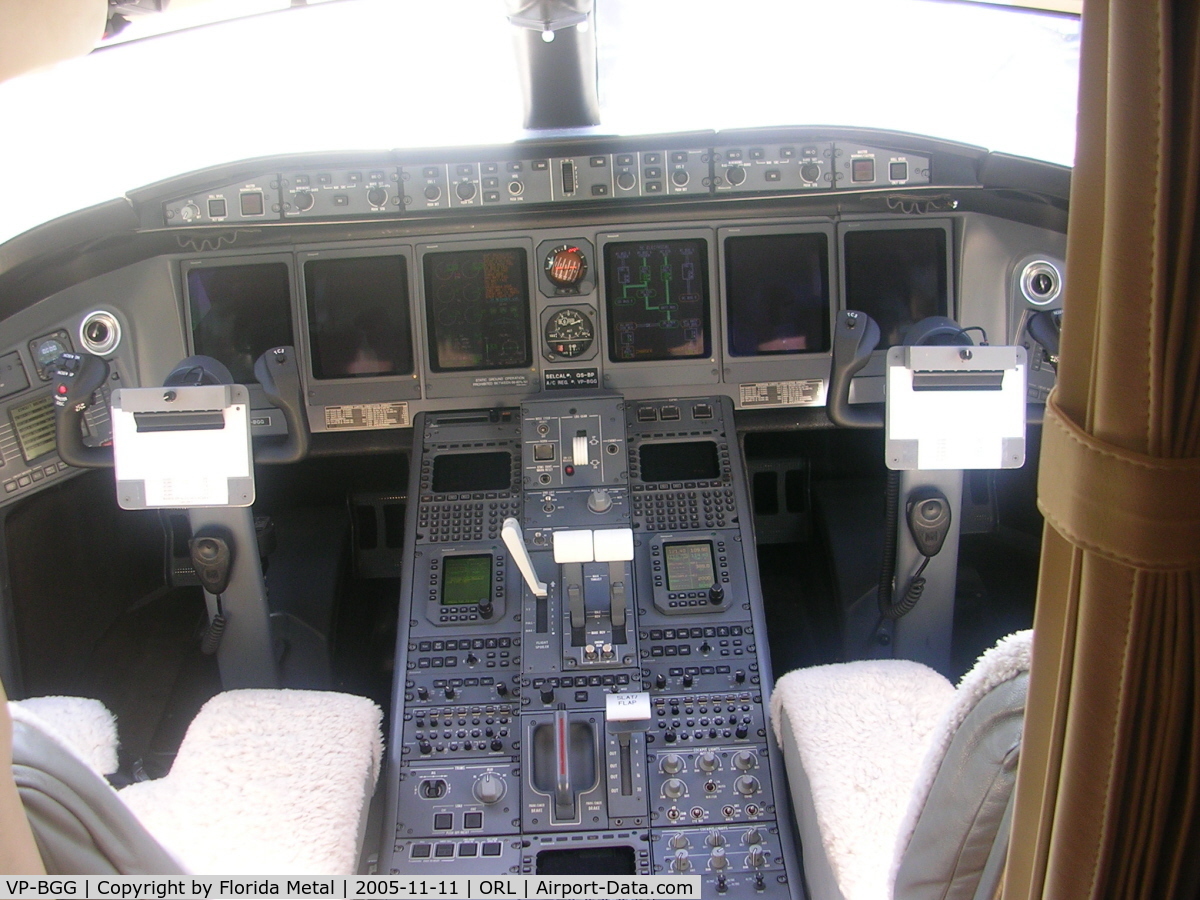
855 336
77 377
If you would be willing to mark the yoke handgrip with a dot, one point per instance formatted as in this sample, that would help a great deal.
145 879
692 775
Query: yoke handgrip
277 372
77 377
855 336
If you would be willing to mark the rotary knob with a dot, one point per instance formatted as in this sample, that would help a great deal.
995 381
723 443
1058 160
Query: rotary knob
810 172
681 863
746 785
599 501
304 200
190 212
673 788
752 837
736 175
708 762
680 177
756 858
377 197
715 839
489 788
672 764
679 842
465 190
745 760
717 859
626 181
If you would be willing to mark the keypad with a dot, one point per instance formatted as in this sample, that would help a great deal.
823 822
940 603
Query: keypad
683 506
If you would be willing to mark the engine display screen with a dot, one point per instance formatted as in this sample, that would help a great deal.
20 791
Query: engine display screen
466 580
34 424
656 293
477 304
689 566
897 276
358 323
239 313
690 461
777 293
465 472
588 861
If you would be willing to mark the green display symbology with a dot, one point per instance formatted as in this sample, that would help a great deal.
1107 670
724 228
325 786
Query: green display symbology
466 580
34 425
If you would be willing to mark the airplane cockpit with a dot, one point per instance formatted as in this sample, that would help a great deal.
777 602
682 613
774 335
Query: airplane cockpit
561 450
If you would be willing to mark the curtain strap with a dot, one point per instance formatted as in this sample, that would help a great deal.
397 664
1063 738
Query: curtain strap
1141 511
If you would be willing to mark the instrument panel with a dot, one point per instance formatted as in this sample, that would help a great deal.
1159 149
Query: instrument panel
727 284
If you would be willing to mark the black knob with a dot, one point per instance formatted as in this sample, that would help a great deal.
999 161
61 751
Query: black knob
497 745
706 647
716 594
465 190
426 747
502 689
547 695
422 693
760 883
810 172
626 181
669 737
739 676
450 692
304 201
680 177
736 175
722 887
432 193
741 732
472 659
688 680
660 681
377 197
486 609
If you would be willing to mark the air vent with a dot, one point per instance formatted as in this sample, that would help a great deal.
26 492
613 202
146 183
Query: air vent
100 332
1041 282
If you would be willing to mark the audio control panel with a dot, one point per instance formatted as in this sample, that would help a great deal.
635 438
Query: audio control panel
584 690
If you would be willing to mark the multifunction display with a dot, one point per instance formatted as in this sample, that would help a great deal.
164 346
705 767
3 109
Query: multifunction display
466 472
689 566
34 425
466 580
897 276
477 304
777 293
689 461
239 312
358 323
657 299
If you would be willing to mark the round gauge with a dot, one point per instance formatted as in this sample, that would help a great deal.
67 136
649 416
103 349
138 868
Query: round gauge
566 266
569 333
46 351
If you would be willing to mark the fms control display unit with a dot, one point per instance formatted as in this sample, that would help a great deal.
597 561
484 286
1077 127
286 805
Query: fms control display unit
581 675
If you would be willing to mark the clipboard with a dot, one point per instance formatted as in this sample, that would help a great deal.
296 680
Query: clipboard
182 447
956 407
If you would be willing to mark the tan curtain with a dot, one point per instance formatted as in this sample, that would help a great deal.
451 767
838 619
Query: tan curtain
1108 795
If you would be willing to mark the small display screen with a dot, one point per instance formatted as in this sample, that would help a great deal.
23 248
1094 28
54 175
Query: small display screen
34 424
358 322
777 292
466 580
588 861
689 566
691 461
657 298
897 276
464 472
477 304
239 313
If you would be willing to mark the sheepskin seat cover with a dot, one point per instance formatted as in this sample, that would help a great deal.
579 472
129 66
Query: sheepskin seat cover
267 782
863 743
83 725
